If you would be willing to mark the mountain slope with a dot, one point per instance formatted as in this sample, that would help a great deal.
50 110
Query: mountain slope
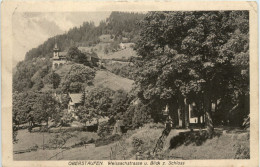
103 78
107 79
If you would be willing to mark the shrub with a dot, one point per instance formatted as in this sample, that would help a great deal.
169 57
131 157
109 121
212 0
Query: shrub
137 144
246 122
242 146
187 138
141 140
242 152
103 129
86 140
34 148
65 129
90 141
140 115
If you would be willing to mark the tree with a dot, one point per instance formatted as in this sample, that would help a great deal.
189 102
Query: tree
120 103
45 107
53 79
22 105
184 55
75 55
30 72
97 104
39 105
99 101
137 115
77 79
85 114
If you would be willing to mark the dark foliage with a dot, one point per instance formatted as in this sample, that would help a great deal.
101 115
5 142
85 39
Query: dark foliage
199 56
30 73
194 137
137 144
39 105
77 79
53 79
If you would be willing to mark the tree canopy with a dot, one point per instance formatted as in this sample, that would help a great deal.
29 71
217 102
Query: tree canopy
77 79
40 105
195 55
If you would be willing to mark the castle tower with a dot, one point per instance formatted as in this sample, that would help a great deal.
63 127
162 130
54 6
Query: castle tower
59 58
56 51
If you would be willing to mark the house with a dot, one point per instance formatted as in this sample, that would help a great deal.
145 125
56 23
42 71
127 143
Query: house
76 99
59 58
122 46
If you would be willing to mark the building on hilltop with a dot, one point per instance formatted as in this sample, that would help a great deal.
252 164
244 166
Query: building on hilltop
59 58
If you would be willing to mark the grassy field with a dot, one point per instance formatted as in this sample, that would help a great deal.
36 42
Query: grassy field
90 152
99 49
121 54
28 140
125 53
224 146
193 145
232 144
112 81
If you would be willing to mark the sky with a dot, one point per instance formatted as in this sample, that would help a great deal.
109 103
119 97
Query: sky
30 29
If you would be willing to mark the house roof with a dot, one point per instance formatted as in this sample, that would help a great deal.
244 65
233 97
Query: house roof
84 49
119 123
76 97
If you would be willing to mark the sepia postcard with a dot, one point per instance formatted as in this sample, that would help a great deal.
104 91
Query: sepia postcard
129 83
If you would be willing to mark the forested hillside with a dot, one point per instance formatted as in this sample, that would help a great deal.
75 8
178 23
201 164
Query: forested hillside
119 25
